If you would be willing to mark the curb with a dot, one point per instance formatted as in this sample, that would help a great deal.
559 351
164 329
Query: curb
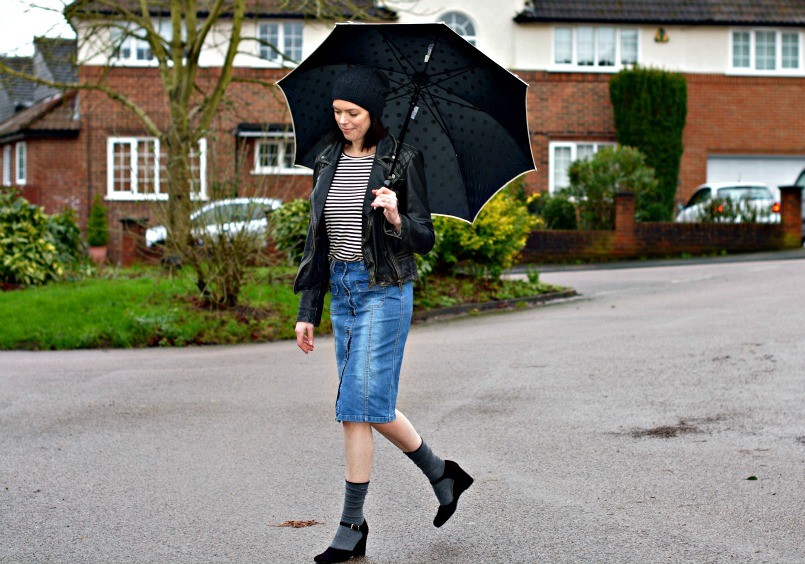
498 305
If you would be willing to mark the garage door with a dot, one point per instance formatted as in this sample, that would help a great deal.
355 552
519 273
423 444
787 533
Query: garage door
775 170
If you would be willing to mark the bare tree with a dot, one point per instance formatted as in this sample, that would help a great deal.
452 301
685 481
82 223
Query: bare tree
104 26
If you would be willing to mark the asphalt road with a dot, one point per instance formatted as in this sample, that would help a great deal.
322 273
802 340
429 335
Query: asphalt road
617 427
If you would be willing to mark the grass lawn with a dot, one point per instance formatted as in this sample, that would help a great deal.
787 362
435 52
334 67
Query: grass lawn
143 307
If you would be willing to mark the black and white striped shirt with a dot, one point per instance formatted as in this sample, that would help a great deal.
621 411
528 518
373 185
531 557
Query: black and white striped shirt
344 207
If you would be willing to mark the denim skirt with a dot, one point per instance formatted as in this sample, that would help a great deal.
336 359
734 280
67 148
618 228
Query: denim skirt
370 326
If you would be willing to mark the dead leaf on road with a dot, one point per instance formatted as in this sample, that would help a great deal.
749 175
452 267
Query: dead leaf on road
299 524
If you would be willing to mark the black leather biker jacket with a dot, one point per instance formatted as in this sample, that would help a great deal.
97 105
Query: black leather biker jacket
388 254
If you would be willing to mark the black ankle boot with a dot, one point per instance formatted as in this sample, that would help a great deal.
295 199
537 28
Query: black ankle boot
461 481
341 555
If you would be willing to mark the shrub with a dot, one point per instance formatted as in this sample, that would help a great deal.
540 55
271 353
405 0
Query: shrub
557 211
288 228
650 110
28 254
97 224
70 248
594 183
487 247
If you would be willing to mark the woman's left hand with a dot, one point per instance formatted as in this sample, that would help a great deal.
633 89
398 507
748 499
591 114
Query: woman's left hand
387 199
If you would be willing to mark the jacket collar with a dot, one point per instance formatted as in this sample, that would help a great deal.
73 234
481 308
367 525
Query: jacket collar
384 152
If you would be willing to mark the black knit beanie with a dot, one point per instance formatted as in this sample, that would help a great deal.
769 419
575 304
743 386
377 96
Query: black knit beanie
363 86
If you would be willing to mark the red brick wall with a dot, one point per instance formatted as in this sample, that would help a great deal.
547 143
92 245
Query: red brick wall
632 239
739 116
55 173
565 107
56 169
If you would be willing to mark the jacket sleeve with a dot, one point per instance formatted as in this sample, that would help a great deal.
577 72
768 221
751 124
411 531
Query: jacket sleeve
311 306
416 230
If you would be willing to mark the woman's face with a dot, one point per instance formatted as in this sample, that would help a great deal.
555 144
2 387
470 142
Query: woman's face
352 120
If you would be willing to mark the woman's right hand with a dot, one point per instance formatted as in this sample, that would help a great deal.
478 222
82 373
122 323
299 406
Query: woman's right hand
304 336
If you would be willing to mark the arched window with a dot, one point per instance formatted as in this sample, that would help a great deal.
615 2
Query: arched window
461 24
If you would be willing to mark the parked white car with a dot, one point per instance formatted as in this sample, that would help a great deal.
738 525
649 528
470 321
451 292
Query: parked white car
223 216
752 198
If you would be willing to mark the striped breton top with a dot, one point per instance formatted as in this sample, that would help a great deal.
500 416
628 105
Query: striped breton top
343 209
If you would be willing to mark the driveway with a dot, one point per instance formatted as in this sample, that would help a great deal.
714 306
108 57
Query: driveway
622 426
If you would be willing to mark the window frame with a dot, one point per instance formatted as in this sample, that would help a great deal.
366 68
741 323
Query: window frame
778 69
21 163
596 66
574 151
157 195
7 160
132 43
281 140
471 39
280 58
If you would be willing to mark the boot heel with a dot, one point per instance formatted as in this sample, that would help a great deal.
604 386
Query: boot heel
461 482
360 548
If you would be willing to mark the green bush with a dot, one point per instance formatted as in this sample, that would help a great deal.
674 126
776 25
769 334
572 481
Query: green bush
557 211
97 224
70 247
650 110
28 254
289 225
487 247
594 183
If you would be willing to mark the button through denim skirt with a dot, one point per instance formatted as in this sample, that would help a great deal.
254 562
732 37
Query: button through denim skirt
370 327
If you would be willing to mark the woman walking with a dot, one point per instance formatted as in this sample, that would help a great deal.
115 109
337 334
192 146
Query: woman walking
360 245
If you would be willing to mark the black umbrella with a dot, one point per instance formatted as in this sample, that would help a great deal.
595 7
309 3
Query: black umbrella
466 113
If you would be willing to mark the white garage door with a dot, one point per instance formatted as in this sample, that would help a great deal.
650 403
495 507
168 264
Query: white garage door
775 170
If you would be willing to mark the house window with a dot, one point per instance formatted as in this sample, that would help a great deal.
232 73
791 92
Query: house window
561 156
606 48
7 165
22 163
628 46
461 24
280 41
765 50
790 51
274 156
136 169
132 47
741 49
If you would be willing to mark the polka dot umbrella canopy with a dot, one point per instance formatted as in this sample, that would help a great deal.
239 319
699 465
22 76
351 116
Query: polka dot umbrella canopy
466 113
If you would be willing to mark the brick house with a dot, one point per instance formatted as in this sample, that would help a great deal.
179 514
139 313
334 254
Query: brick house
743 60
39 126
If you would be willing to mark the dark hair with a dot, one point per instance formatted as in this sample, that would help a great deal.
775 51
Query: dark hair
374 134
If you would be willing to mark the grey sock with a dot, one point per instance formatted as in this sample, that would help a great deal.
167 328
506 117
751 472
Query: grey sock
433 467
354 495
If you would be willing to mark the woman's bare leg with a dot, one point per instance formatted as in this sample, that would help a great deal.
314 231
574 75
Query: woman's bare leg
358 451
400 433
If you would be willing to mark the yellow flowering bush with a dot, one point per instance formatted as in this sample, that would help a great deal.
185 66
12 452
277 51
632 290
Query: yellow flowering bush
35 248
489 246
